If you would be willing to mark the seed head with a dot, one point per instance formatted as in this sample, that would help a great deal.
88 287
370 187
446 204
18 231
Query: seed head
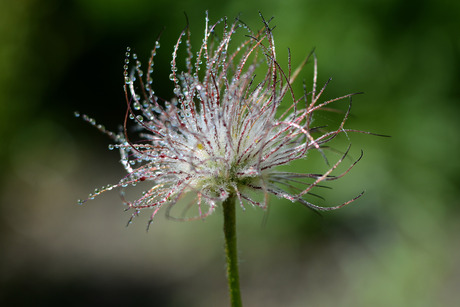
222 134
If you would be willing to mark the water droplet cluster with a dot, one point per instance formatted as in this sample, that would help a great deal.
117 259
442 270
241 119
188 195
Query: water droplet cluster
220 134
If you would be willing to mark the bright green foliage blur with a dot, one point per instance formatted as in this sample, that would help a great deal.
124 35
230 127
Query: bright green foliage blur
396 246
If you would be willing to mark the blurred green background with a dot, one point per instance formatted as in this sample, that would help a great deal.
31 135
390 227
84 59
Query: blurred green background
397 246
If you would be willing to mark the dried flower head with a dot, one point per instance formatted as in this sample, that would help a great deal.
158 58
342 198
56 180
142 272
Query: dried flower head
221 136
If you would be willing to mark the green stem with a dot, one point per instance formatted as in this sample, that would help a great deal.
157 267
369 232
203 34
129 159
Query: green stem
231 253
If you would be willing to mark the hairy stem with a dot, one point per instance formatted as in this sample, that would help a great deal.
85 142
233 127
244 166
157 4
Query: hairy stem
231 253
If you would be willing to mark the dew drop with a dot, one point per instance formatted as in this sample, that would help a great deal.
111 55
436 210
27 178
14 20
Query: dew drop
76 114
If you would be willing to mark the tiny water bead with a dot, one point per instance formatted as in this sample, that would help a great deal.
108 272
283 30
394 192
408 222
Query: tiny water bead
136 106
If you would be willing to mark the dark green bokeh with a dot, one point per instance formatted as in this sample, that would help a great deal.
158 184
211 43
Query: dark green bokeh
397 246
